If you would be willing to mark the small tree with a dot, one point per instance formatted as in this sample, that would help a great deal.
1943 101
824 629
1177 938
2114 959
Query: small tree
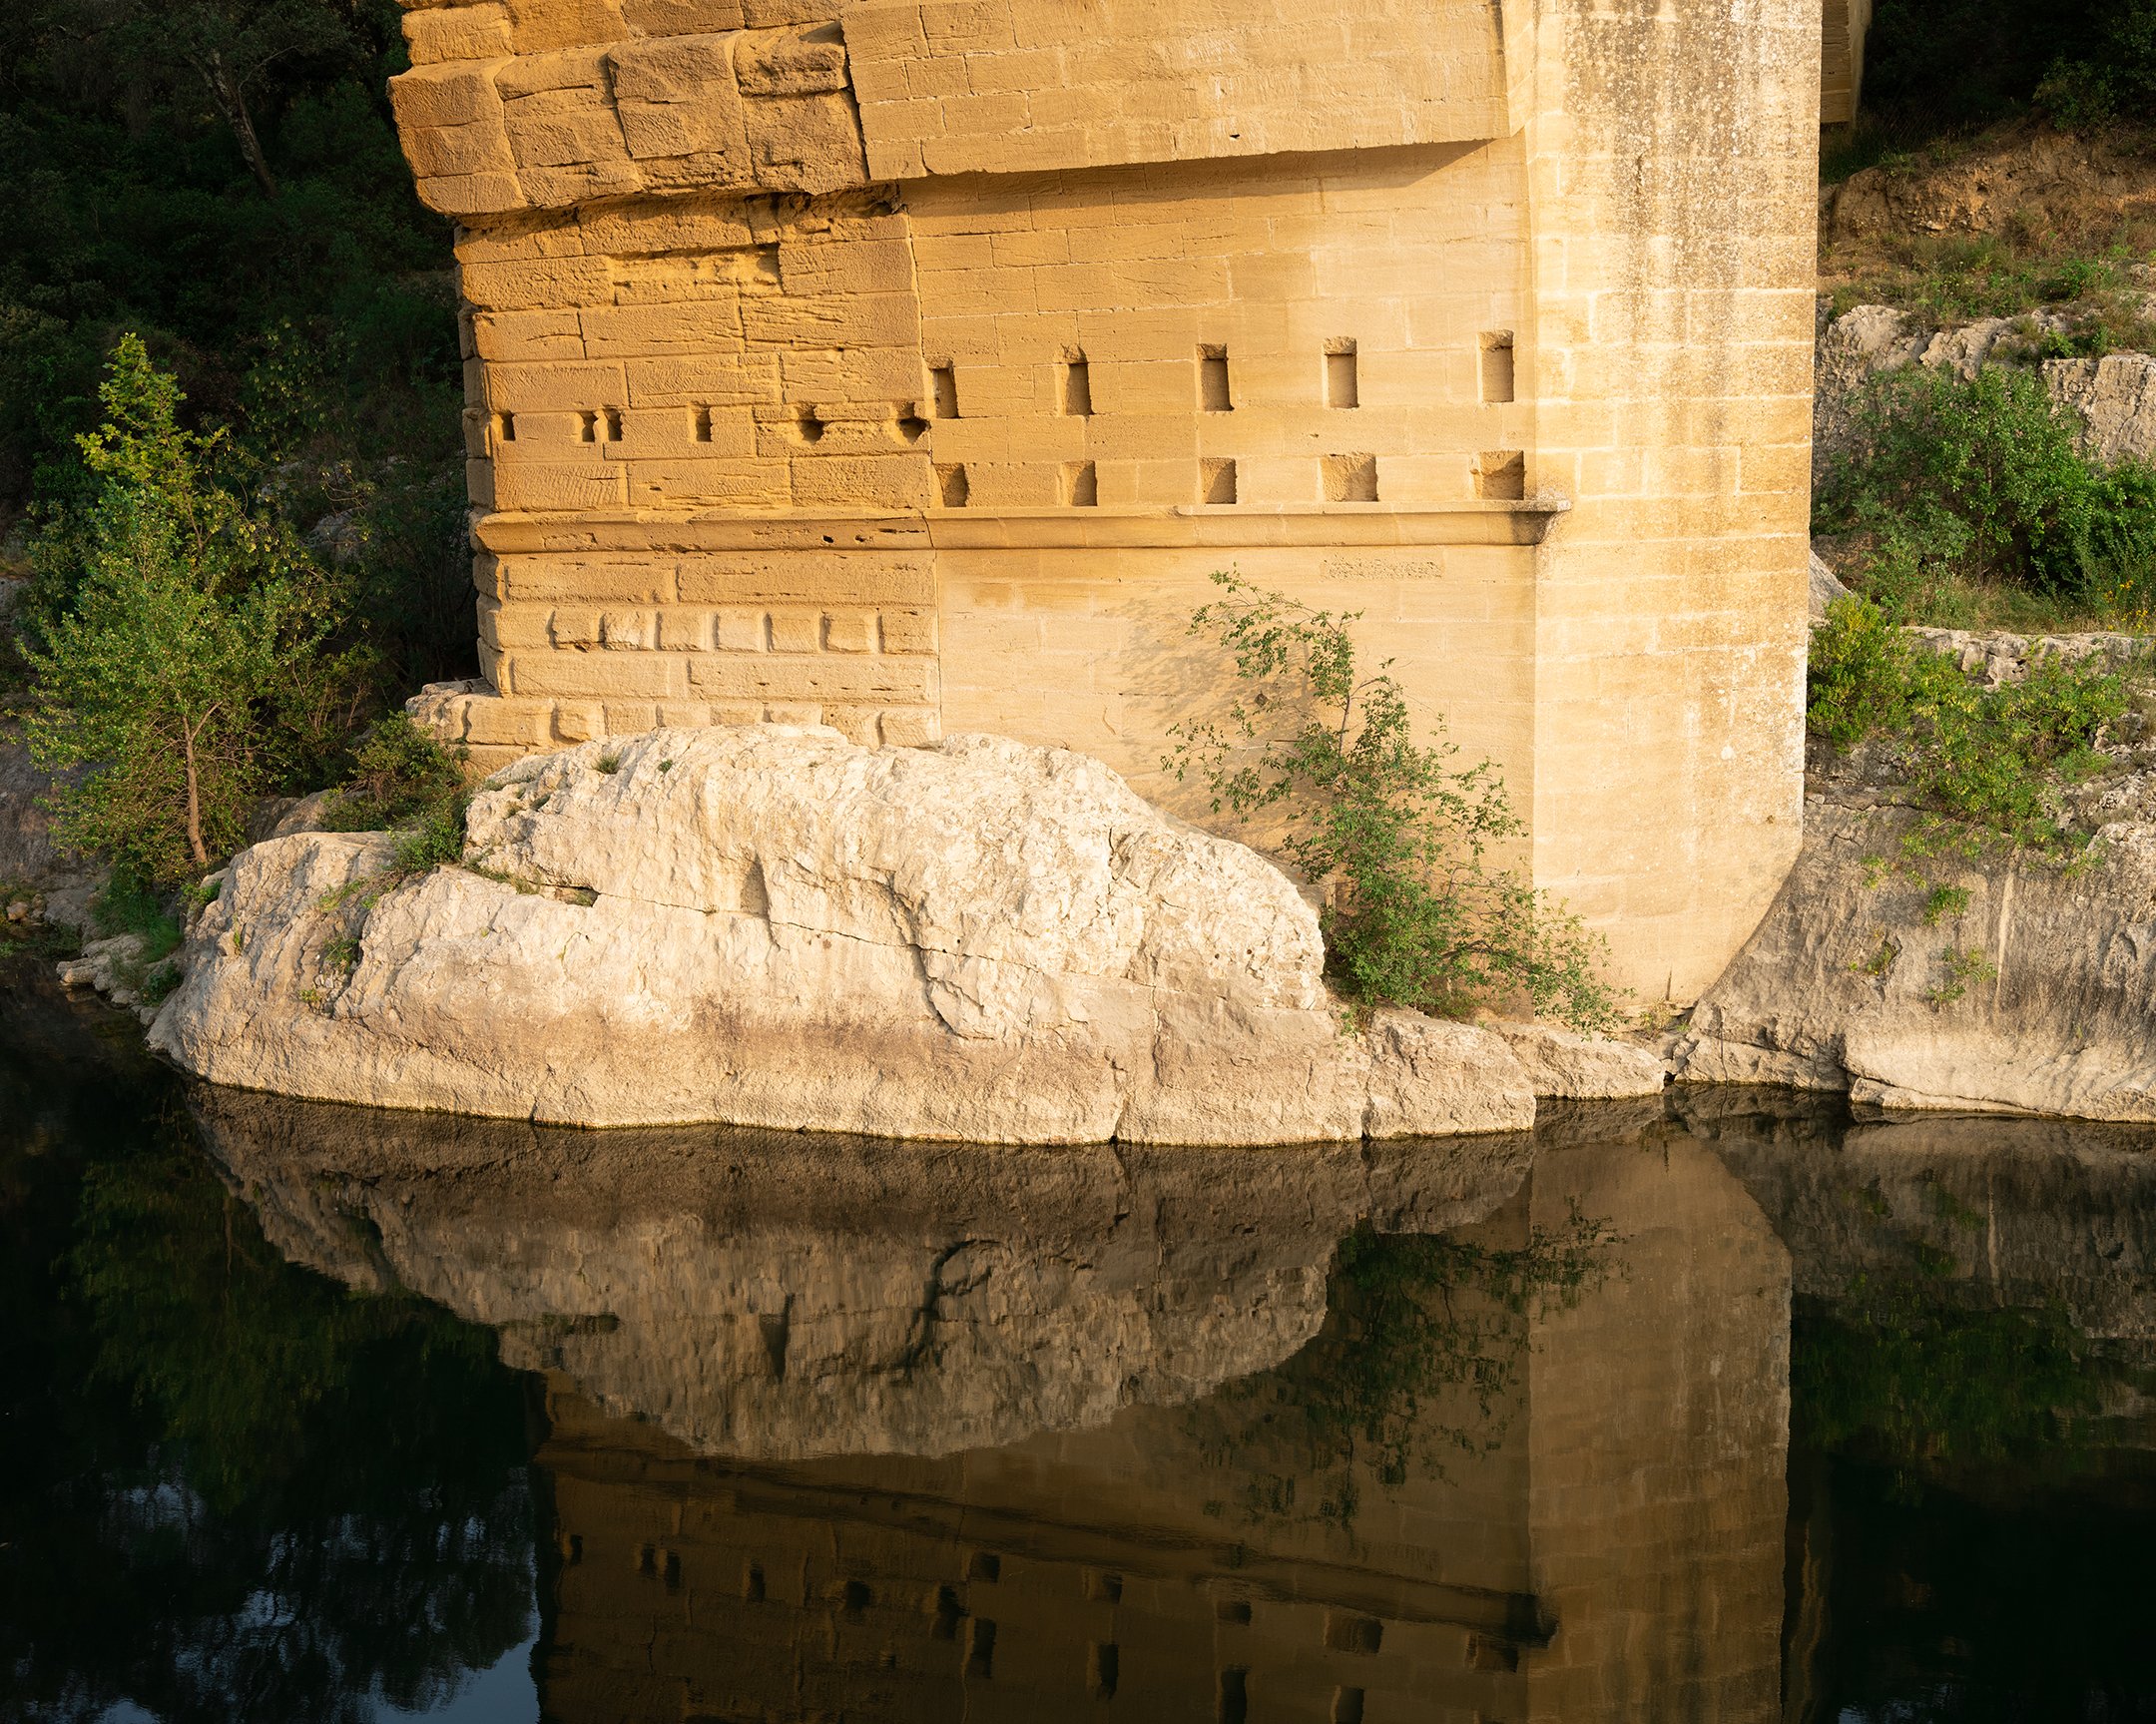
181 619
1396 834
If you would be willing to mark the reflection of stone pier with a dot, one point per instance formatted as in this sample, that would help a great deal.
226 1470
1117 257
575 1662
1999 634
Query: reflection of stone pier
1123 1455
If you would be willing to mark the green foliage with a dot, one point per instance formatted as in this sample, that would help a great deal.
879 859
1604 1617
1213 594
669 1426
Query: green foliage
128 201
404 781
2083 276
1879 962
127 905
2114 80
399 775
1986 759
436 842
1945 903
1326 758
1933 68
179 621
1962 968
1977 479
293 284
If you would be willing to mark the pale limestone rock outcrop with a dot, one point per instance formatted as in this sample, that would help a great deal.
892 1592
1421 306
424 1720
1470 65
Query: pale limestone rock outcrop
771 925
776 1294
1566 1066
2113 399
115 968
2037 996
1825 588
1993 657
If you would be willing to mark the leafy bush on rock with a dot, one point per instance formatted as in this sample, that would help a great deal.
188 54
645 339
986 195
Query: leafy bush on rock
1323 759
1950 482
1987 760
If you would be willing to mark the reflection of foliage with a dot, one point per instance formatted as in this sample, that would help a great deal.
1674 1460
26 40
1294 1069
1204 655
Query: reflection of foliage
1892 1373
1420 1353
230 1487
1432 1317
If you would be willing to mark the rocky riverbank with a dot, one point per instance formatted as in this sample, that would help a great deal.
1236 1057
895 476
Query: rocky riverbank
771 925
1939 975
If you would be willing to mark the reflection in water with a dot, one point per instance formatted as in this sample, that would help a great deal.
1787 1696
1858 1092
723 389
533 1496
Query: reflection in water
1975 1496
226 1489
1723 1410
848 1429
774 1296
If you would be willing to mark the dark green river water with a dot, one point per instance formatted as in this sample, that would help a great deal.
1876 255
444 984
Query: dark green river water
1726 1408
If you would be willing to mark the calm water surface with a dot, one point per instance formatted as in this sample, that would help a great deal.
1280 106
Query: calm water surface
1728 1410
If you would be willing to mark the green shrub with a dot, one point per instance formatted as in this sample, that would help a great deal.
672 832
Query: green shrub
1987 760
437 841
1978 479
1396 834
405 782
399 775
173 622
129 904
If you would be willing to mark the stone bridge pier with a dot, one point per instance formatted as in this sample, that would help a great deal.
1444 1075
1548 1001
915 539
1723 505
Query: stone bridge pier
908 365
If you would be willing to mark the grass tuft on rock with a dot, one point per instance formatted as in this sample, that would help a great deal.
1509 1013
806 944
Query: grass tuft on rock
404 781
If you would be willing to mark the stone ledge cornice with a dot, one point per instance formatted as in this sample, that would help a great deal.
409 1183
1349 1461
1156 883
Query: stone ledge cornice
1315 526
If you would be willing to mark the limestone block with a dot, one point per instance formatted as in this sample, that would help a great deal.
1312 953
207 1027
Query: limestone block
805 143
457 33
677 97
541 25
1565 1064
439 96
451 152
471 193
680 17
806 61
974 941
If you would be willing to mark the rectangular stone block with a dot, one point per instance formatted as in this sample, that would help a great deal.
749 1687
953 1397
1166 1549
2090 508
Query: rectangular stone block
850 632
814 677
548 579
457 33
598 675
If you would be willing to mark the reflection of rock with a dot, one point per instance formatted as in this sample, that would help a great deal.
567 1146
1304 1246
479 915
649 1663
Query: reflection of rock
778 1294
1985 1212
770 925
1613 1551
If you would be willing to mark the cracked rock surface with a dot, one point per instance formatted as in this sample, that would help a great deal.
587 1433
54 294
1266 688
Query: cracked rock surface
771 925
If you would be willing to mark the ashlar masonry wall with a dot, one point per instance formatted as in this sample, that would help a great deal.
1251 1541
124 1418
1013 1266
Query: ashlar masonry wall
908 365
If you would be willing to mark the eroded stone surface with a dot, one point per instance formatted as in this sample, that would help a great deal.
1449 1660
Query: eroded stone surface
1563 1064
771 925
2034 995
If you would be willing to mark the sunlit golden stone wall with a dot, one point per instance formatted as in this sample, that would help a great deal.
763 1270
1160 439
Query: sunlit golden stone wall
907 365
